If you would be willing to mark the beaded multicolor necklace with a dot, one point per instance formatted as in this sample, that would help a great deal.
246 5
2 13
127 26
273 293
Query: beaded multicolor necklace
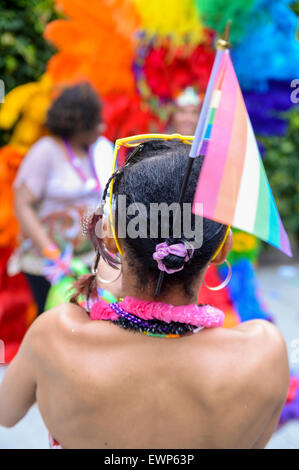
156 318
156 328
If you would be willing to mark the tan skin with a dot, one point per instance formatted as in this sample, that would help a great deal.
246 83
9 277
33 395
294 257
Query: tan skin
99 386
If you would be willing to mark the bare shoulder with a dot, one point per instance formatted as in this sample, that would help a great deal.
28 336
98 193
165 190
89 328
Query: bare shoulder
264 334
251 338
53 324
249 360
264 351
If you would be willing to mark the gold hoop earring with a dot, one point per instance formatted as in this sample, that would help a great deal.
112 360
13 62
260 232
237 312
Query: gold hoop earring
226 280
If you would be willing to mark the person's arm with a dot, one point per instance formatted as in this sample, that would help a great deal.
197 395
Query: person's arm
30 224
30 188
270 429
274 375
17 390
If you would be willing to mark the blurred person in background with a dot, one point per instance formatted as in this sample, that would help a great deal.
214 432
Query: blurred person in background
59 180
185 114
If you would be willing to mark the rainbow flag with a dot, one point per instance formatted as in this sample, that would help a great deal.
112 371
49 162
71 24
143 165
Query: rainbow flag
233 186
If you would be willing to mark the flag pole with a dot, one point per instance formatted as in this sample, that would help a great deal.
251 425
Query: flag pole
222 45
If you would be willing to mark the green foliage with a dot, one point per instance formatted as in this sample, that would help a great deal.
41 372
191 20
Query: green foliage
282 166
295 7
23 50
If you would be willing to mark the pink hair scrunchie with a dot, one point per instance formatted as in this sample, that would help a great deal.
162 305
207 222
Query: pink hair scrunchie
179 249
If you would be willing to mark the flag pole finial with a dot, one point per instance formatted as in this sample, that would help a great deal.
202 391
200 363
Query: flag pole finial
223 42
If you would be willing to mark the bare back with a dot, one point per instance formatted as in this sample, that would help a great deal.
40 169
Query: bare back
99 386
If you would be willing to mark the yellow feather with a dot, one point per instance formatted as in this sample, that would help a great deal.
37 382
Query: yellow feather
177 18
33 97
14 102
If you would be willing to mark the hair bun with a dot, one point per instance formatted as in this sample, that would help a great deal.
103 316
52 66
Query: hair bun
173 262
171 257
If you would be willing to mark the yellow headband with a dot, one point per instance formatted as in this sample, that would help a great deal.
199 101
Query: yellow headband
134 141
222 243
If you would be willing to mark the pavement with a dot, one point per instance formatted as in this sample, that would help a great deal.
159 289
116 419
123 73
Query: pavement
280 288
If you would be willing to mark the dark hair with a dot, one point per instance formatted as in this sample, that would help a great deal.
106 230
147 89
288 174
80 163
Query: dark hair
155 175
77 109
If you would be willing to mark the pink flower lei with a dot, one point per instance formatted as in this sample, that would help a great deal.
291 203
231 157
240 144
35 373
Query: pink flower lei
206 315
